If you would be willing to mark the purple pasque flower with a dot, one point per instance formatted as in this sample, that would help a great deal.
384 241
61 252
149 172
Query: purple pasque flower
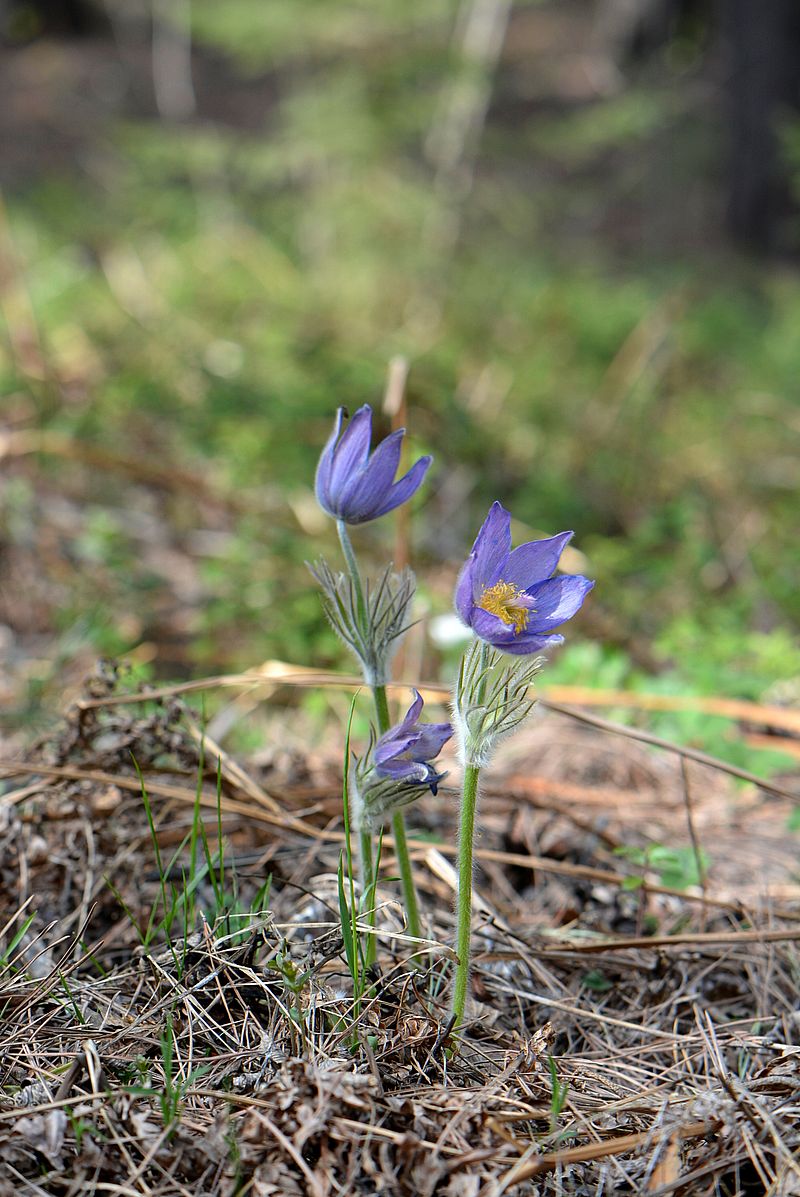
404 751
355 486
509 598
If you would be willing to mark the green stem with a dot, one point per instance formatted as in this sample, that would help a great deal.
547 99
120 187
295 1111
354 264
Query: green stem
368 888
381 708
365 849
469 802
353 570
384 723
406 874
399 831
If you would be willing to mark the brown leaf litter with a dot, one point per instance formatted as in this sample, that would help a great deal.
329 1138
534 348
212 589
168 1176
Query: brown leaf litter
623 1037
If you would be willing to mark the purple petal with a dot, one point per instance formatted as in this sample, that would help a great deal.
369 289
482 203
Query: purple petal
322 482
392 745
491 549
434 779
406 771
405 487
464 588
557 600
363 492
523 645
491 628
415 710
352 451
433 737
535 561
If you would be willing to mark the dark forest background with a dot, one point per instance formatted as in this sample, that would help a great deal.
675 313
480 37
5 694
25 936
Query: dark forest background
576 221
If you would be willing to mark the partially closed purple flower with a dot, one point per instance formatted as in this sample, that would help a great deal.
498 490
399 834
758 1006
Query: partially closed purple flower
508 597
356 486
404 751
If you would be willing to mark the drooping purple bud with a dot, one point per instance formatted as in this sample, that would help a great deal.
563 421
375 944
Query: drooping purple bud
405 751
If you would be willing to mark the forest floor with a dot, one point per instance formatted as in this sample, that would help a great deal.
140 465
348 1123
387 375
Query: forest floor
174 1022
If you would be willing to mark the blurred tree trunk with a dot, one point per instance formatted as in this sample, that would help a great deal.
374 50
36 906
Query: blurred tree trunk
761 40
172 59
763 45
635 28
21 20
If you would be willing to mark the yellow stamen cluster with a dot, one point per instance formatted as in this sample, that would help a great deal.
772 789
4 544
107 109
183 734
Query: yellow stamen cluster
502 600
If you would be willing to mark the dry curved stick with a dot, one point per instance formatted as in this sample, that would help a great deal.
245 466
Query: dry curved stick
727 708
692 938
284 673
597 1151
690 754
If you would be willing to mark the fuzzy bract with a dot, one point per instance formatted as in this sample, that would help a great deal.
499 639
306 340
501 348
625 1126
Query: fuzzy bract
492 696
356 486
387 604
509 597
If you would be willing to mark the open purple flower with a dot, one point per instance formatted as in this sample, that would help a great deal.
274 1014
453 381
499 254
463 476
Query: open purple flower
508 597
355 486
404 751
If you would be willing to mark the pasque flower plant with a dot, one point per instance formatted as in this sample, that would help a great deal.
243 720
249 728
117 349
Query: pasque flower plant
513 601
356 486
513 604
394 772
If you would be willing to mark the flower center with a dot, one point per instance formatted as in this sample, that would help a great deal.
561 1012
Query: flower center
502 600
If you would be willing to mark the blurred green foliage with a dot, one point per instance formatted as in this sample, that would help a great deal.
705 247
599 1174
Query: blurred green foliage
677 868
209 293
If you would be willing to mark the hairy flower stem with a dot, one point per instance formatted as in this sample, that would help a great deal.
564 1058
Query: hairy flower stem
352 569
365 839
367 878
381 708
406 874
469 802
466 840
399 830
384 723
